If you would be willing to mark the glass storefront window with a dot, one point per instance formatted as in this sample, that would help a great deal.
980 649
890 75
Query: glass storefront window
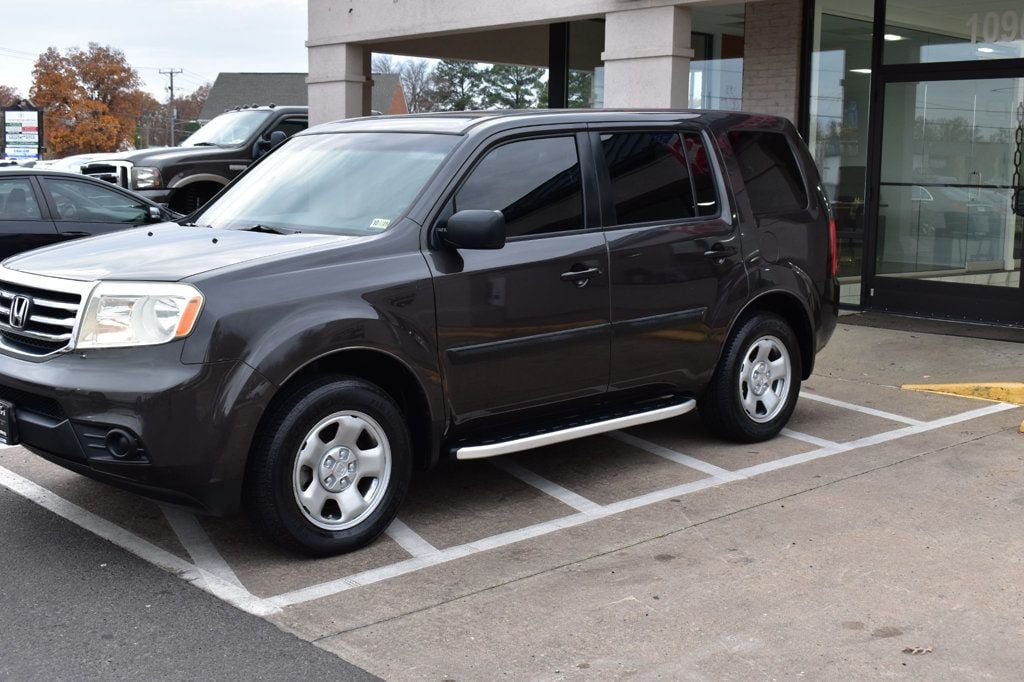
928 31
947 182
838 135
716 70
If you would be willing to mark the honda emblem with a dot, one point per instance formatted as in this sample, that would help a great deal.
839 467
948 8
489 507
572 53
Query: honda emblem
19 311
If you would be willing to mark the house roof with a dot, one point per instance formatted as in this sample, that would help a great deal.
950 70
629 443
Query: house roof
243 89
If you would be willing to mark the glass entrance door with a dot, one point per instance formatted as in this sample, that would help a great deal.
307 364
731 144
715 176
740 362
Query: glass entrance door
947 240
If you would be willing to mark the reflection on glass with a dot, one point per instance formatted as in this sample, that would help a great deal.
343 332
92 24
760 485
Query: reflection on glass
923 31
840 87
716 70
947 182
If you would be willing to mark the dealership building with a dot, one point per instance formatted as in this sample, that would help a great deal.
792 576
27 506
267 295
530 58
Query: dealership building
912 108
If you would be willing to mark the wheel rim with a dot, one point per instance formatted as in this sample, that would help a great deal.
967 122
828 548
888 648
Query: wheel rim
765 379
342 470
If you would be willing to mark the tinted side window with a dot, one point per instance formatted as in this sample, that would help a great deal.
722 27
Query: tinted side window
649 177
17 201
770 171
289 126
535 183
84 202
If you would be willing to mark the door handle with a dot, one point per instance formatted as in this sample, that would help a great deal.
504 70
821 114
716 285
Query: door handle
719 251
580 277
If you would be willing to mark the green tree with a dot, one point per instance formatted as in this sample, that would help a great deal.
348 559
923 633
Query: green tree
512 86
457 85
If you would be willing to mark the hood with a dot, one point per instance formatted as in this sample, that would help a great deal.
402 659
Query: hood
161 253
166 155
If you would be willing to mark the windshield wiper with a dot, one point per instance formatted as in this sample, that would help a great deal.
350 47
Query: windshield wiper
205 144
269 229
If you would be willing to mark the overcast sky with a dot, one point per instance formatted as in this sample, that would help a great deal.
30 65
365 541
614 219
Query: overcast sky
203 37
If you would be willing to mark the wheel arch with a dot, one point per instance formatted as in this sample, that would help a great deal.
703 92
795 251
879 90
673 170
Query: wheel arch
789 307
386 371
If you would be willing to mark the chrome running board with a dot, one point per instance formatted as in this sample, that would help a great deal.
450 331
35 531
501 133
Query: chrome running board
572 433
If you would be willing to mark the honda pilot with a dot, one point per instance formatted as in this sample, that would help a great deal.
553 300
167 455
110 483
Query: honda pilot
378 295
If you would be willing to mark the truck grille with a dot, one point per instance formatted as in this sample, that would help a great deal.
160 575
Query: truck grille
35 321
115 172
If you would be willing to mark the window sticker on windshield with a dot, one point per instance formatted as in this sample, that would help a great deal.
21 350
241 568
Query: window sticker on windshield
380 223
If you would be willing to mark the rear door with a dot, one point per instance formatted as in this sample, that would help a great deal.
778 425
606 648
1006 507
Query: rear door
82 208
676 269
24 223
525 326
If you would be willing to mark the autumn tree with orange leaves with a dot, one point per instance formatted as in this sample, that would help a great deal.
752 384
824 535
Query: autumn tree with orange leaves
8 96
91 98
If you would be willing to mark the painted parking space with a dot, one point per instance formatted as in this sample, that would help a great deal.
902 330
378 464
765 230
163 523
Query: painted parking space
468 508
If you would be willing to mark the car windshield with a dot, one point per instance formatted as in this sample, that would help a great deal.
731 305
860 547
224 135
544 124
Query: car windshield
349 183
227 130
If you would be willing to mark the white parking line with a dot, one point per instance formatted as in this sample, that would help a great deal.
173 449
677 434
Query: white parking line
197 543
677 457
409 540
375 575
860 408
808 438
143 549
238 596
874 440
563 495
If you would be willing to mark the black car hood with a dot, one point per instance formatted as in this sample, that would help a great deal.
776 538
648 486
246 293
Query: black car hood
167 155
161 253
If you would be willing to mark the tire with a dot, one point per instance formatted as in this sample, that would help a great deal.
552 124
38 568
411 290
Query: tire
743 402
329 467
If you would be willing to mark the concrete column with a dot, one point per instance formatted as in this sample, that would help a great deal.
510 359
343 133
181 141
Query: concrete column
771 57
647 58
339 82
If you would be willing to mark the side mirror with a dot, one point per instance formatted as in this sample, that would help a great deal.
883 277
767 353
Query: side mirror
154 214
475 230
264 145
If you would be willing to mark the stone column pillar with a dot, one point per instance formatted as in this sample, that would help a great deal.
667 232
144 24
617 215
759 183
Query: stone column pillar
339 82
647 58
771 57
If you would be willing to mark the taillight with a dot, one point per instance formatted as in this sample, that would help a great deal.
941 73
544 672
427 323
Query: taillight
833 249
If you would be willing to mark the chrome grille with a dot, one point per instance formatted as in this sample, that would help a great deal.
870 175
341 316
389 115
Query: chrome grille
116 172
45 319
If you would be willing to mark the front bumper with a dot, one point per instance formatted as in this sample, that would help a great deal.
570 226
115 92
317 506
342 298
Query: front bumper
194 423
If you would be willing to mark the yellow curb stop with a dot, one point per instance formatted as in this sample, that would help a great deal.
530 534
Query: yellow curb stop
1003 392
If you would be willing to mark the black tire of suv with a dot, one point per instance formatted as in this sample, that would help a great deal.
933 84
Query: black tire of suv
269 497
721 408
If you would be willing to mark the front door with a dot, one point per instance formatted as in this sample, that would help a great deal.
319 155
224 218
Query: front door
82 208
23 224
524 327
947 242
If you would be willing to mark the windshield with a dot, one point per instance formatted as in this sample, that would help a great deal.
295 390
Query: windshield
228 130
350 183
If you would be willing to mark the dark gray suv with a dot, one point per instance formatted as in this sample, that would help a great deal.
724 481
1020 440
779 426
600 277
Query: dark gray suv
378 294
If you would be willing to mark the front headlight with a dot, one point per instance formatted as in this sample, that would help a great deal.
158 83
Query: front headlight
120 314
146 178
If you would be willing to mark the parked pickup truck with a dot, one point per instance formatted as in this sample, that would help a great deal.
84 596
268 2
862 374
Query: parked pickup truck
186 177
381 294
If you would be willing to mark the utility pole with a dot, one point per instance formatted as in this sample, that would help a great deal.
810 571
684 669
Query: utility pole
170 105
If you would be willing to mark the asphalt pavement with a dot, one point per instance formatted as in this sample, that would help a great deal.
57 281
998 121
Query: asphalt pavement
76 607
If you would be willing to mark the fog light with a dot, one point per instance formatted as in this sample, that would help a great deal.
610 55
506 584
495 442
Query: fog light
122 444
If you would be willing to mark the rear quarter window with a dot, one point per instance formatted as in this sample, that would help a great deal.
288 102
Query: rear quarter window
770 172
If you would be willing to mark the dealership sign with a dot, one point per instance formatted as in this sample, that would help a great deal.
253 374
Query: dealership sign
23 134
